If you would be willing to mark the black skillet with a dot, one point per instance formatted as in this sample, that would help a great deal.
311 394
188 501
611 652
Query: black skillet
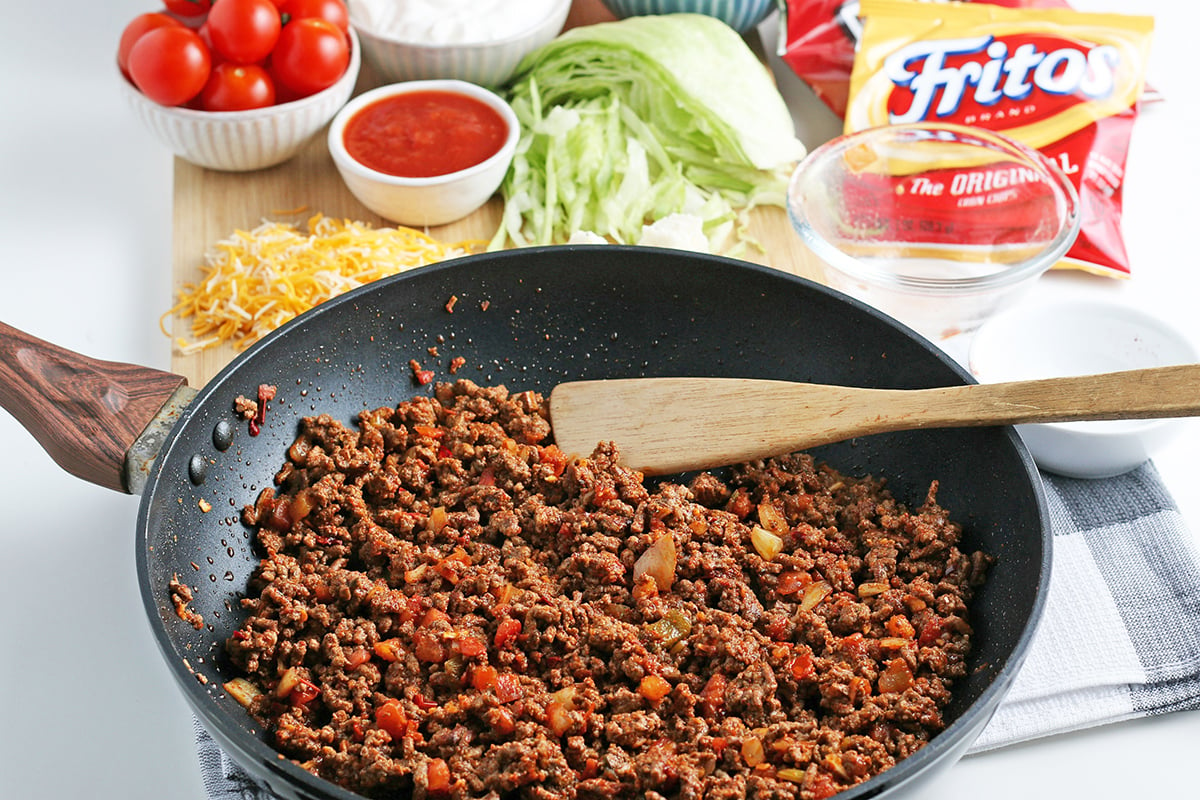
529 319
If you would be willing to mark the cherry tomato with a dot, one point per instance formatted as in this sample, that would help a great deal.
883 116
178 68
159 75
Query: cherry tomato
311 55
188 8
244 31
206 37
142 23
330 10
237 87
170 65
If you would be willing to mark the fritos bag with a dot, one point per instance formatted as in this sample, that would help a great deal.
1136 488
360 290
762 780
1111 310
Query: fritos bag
821 36
1061 81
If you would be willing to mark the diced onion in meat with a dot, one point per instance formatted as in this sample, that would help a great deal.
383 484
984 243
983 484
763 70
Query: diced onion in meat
814 594
752 751
766 543
791 774
770 518
242 690
896 678
658 561
290 680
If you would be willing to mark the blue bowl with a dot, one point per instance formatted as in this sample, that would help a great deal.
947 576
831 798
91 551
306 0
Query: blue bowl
741 15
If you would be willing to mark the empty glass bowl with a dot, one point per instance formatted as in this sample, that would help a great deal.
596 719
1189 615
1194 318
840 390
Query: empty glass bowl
937 225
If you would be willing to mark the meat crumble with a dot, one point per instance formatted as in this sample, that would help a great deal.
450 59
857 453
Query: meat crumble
448 606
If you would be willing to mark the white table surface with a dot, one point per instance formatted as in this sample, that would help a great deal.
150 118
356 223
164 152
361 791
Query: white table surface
87 708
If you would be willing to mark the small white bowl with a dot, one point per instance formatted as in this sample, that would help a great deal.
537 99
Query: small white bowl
436 200
487 63
239 141
741 15
1081 338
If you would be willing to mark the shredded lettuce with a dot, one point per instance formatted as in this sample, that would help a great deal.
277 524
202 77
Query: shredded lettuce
624 123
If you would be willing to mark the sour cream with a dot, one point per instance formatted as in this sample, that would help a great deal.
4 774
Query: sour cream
449 21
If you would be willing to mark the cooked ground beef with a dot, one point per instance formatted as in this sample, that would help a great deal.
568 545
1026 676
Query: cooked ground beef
447 606
181 597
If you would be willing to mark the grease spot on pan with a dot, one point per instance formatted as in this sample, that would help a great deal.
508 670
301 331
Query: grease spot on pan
197 469
223 435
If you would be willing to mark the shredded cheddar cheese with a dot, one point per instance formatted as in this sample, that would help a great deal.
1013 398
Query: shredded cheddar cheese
257 280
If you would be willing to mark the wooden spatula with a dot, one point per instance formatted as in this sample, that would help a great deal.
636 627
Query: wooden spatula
666 425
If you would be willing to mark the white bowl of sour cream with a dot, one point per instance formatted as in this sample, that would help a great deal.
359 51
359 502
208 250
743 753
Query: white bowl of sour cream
1051 340
478 41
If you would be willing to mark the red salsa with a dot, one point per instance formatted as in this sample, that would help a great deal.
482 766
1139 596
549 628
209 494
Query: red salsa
423 134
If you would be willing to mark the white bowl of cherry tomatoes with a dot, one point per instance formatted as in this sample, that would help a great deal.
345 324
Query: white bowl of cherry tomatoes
240 84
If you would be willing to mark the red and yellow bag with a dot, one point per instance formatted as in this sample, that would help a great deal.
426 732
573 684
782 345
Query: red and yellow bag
822 35
1064 82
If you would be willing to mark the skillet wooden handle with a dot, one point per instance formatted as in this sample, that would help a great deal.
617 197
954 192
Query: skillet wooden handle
85 413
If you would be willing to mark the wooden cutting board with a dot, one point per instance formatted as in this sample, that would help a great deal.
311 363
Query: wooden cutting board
209 206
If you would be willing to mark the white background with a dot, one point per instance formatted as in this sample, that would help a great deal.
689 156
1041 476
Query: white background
87 708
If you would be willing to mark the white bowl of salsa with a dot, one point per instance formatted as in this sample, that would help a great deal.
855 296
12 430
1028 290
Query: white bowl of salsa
423 153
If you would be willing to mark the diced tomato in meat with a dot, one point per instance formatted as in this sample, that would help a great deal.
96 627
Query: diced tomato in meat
823 786
553 458
740 504
900 627
508 630
931 631
303 693
713 694
508 687
801 666
855 646
792 581
421 376
501 720
471 646
429 431
391 717
389 649
483 678
281 516
437 776
432 616
777 628
604 493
